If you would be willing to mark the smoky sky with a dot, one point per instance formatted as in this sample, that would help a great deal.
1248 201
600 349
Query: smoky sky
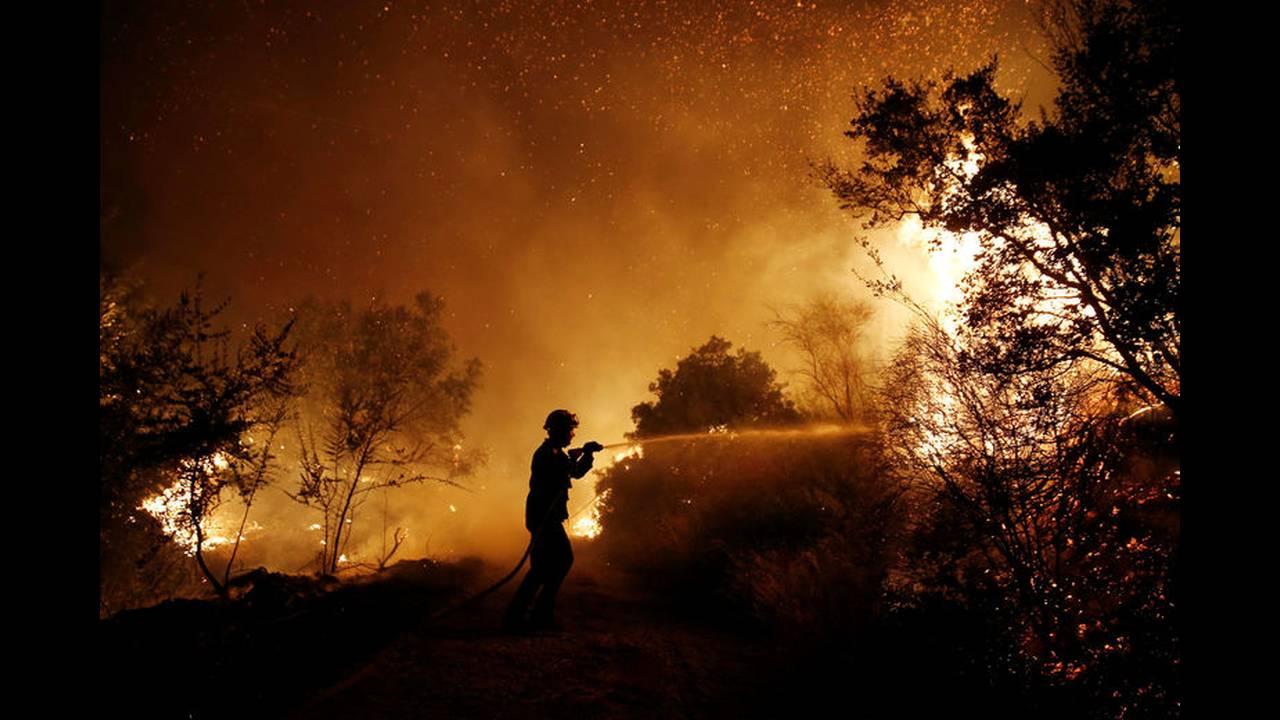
594 187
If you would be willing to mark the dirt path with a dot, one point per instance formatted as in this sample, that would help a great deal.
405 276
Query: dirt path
620 656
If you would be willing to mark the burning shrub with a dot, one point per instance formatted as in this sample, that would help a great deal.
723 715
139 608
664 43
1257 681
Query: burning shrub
1043 502
175 401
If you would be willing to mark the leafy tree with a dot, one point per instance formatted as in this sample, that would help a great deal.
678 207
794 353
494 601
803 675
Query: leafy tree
711 388
382 410
1078 213
174 404
827 331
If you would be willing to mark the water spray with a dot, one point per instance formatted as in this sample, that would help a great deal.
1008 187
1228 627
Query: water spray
723 432
717 433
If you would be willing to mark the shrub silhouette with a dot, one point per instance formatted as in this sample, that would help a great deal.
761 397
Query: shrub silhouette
792 534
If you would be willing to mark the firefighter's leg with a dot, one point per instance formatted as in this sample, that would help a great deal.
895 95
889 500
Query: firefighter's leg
559 554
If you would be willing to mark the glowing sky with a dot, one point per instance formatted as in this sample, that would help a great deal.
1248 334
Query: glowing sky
595 187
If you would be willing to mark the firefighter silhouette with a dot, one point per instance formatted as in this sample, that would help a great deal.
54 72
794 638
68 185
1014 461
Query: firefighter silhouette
546 508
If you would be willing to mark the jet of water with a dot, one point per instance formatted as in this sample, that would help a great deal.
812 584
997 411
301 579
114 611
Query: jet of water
824 430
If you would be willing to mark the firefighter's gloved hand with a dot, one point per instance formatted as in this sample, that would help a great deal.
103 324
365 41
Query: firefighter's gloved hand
592 447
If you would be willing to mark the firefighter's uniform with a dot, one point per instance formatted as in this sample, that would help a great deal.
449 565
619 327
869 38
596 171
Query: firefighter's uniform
547 507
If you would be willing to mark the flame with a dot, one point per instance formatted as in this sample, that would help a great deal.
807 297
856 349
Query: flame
170 508
1143 411
950 258
634 451
589 526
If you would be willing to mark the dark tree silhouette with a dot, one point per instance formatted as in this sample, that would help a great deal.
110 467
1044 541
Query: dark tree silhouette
1043 494
711 388
1078 213
382 409
175 402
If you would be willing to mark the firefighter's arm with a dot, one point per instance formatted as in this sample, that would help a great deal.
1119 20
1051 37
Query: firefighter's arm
583 458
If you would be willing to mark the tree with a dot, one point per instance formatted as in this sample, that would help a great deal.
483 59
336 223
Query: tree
382 410
827 331
1038 493
710 389
174 405
252 470
1078 213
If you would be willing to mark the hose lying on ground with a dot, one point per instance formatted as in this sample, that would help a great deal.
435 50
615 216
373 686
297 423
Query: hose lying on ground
487 591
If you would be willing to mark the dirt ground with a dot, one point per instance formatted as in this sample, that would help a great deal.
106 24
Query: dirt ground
620 655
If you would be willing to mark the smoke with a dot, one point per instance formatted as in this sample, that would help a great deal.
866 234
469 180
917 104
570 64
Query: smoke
594 190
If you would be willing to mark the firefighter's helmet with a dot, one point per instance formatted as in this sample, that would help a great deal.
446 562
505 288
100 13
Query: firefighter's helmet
560 419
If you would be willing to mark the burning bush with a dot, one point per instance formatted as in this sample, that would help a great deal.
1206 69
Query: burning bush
176 398
1045 504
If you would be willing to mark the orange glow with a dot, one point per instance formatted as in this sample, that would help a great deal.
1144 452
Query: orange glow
586 227
589 525
170 508
950 258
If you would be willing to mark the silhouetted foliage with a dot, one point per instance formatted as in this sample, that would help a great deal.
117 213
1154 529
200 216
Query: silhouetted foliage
1077 213
1049 503
173 396
793 533
710 388
788 531
283 640
255 468
1038 438
382 409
